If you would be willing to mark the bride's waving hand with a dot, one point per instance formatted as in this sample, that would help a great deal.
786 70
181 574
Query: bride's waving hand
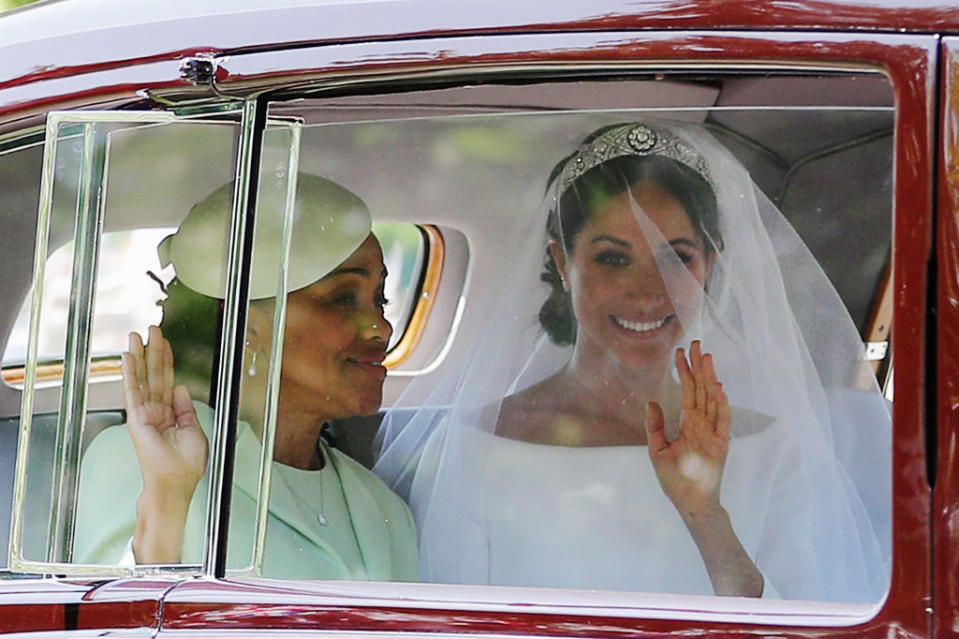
690 470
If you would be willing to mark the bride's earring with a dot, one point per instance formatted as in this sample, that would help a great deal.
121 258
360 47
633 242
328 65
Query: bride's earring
565 284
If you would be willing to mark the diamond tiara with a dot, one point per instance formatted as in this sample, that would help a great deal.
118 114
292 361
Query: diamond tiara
630 139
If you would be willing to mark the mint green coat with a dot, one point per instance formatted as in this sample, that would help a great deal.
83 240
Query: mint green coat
368 533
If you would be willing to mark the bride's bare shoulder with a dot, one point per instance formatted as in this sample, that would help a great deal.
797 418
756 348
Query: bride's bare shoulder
530 414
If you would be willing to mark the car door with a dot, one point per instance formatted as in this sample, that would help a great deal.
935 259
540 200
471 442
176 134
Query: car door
368 79
34 603
87 236
549 62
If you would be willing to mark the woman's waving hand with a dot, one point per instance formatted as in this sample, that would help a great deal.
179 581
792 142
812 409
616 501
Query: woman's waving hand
170 446
690 470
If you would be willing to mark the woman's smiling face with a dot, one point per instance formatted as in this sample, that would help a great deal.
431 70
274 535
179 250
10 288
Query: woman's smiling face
623 306
336 338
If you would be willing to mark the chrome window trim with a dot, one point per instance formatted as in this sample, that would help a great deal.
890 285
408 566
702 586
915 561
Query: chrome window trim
234 320
276 359
232 337
77 330
292 67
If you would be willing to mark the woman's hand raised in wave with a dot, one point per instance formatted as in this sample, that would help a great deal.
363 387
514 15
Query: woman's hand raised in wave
690 471
170 446
690 468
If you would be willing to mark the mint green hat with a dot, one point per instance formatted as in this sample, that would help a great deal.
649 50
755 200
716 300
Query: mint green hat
329 223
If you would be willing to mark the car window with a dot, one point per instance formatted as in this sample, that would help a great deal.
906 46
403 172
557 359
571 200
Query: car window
460 471
81 207
126 254
135 287
126 301
484 500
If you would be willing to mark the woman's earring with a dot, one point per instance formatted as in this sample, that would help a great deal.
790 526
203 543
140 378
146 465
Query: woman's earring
565 284
252 369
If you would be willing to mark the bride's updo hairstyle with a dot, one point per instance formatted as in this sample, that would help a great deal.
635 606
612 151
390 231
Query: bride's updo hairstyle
611 161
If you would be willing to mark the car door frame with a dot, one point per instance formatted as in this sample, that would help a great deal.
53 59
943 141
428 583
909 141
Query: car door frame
909 61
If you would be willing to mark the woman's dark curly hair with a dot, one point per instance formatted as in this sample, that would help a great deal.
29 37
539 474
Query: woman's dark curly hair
579 201
191 323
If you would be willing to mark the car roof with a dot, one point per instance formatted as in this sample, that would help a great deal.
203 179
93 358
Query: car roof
64 37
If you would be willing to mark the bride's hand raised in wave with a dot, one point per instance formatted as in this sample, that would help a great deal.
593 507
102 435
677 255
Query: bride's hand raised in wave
690 471
690 468
170 446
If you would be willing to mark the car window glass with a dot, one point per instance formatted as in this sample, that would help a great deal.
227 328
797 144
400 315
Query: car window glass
428 476
404 252
137 286
123 254
484 168
97 196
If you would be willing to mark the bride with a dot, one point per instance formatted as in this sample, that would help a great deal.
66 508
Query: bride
616 452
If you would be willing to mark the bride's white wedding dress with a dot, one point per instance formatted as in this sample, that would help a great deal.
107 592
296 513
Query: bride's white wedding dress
595 517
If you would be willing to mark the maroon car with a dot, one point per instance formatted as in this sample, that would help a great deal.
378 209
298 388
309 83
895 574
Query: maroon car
117 117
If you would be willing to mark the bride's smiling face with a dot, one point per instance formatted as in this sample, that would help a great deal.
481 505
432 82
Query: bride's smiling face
624 306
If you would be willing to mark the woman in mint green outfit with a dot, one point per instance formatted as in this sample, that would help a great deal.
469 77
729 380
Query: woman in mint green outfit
329 517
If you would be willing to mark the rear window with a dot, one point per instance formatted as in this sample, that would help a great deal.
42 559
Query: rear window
131 284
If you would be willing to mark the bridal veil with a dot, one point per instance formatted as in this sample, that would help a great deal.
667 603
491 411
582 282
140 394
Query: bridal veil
806 484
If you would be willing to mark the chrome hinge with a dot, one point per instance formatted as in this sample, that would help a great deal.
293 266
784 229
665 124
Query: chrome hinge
200 69
876 351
